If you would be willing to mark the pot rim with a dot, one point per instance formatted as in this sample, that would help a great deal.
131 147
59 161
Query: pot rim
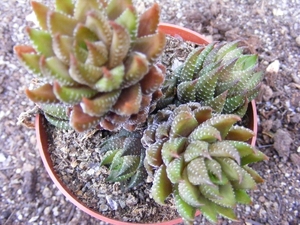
42 141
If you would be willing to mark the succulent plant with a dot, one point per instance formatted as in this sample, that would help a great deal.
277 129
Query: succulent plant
219 76
98 61
124 154
202 158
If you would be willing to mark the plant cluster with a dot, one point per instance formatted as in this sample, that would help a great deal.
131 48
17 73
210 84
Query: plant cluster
96 60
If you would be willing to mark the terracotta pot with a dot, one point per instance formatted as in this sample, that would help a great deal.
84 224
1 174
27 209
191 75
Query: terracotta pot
42 140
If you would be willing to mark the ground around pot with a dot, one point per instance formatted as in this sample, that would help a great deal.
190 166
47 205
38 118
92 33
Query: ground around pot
270 28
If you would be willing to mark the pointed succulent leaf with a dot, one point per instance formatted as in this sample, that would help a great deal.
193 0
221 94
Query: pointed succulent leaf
115 8
218 102
228 196
129 20
135 69
232 103
232 170
108 157
61 124
56 110
254 157
82 7
63 47
29 59
172 148
153 154
112 143
111 79
254 174
54 68
209 210
60 23
196 149
41 40
151 45
242 197
241 111
239 133
132 146
225 49
184 123
175 169
162 186
82 34
138 178
130 164
116 164
247 182
243 148
120 44
205 133
152 80
224 149
65 6
100 104
187 71
42 94
188 192
184 209
97 53
97 23
129 101
148 21
197 172
81 121
218 181
226 212
202 114
222 123
186 91
40 12
201 58
84 73
113 177
214 167
210 191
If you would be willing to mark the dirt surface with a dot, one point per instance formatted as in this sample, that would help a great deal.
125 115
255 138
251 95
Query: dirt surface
270 28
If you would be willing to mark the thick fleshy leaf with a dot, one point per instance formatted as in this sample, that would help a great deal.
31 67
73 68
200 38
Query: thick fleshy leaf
54 68
202 114
208 209
60 23
108 157
152 80
41 40
115 8
100 26
132 146
226 212
65 6
81 121
197 172
232 170
148 21
138 178
136 67
243 148
72 95
254 174
196 149
111 79
214 167
162 186
186 91
101 104
183 124
224 149
129 101
153 154
41 12
97 53
175 169
241 196
27 55
61 124
151 45
82 7
210 191
201 57
205 133
56 110
247 182
185 210
232 103
172 148
63 47
218 102
129 20
239 133
112 143
228 196
42 94
119 46
84 73
255 157
129 165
